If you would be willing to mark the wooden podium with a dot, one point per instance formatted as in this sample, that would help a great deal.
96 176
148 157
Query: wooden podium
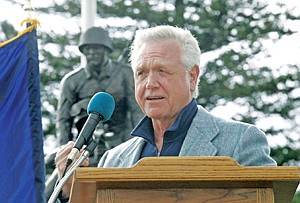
186 179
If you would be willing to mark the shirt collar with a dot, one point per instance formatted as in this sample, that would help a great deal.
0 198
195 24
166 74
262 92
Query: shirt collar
182 123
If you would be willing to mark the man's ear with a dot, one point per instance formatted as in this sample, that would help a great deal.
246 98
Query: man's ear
194 74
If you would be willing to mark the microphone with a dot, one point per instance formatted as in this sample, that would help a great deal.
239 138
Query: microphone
100 108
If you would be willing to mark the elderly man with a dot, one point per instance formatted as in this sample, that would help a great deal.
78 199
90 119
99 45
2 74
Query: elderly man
165 61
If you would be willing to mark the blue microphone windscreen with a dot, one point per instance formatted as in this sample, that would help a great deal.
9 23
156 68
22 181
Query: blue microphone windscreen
102 103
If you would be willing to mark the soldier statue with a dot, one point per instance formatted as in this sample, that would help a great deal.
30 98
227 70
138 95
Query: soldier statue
100 74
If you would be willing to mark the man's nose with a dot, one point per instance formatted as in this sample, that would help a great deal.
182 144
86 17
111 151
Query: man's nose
152 80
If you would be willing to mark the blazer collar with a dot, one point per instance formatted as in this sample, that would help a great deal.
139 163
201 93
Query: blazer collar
203 130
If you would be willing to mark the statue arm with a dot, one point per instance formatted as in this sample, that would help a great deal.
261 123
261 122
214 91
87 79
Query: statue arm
64 118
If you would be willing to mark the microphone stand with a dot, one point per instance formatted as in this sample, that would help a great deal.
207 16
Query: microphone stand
87 151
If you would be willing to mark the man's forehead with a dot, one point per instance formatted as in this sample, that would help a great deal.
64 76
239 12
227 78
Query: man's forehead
159 51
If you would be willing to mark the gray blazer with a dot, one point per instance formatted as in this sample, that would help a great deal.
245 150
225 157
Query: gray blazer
207 136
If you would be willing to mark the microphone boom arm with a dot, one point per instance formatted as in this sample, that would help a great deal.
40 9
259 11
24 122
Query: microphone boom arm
88 150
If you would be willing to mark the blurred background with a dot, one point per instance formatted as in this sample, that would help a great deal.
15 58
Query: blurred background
250 64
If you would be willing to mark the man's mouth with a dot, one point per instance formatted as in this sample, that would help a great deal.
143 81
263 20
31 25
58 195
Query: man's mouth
154 98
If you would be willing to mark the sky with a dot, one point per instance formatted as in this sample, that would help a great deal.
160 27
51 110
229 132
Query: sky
283 51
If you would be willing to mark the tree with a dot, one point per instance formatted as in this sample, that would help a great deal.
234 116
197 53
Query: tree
234 30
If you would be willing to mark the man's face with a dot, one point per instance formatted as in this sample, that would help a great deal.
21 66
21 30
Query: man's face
96 55
162 85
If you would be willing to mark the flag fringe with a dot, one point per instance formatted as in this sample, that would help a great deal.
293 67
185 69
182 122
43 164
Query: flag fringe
33 25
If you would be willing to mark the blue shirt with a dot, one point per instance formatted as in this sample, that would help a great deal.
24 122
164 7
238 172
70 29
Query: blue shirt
173 137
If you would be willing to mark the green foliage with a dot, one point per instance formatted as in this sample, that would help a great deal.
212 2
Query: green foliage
8 30
235 29
286 155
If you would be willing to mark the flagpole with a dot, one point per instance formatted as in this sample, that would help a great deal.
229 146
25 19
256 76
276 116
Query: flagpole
88 13
28 8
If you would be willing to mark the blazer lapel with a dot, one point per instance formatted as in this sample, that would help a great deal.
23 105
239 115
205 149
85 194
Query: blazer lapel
198 139
132 154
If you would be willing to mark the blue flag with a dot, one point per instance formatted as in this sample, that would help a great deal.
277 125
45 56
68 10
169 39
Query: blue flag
22 168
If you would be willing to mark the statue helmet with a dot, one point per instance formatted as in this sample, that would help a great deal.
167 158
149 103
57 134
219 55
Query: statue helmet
95 35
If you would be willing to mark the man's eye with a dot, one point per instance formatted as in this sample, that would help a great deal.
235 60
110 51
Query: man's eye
164 71
138 73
